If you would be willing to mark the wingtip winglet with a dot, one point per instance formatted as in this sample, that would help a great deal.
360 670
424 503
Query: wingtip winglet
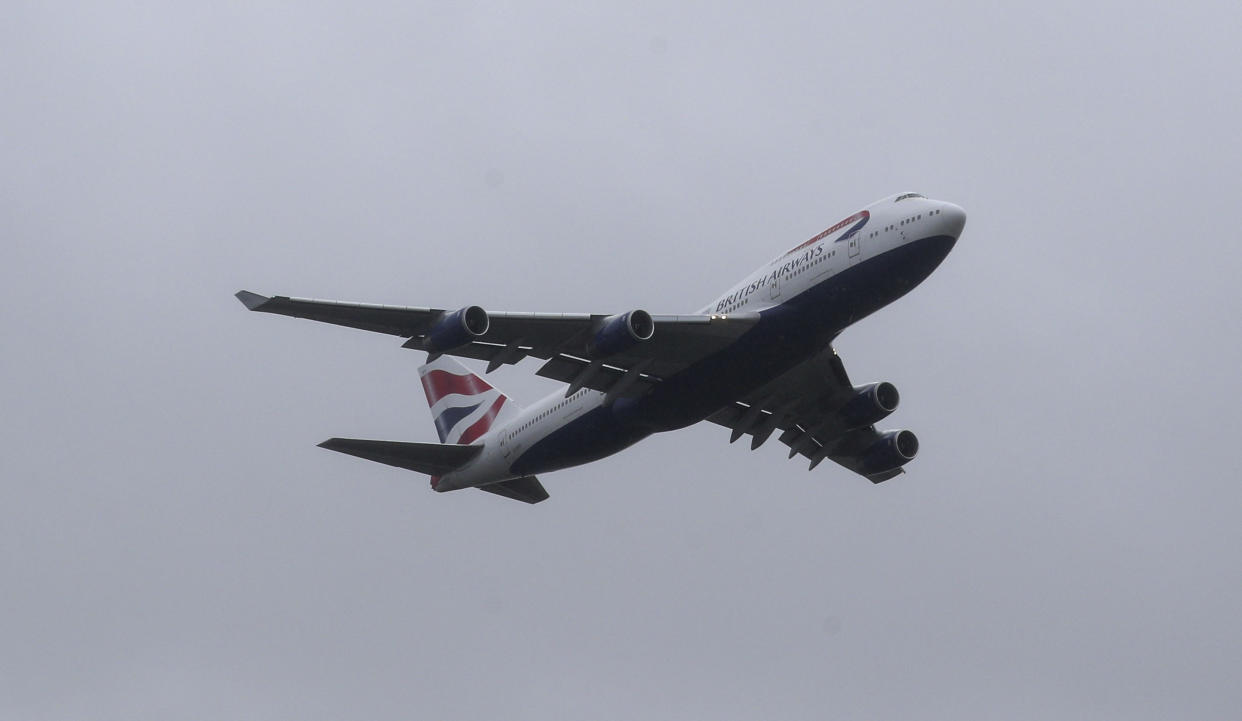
252 301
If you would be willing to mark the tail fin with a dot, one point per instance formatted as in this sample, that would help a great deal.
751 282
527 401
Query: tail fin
463 405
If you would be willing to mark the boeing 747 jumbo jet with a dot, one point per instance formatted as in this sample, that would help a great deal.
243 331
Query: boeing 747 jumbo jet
757 360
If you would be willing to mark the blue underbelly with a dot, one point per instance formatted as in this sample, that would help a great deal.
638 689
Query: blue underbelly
785 336
594 435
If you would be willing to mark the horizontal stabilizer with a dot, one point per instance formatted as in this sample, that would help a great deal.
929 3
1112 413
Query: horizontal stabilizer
527 490
434 459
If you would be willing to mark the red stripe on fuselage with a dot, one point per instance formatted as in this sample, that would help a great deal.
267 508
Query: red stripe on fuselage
856 216
438 384
483 424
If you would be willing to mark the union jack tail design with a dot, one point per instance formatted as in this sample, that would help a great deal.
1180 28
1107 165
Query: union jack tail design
463 405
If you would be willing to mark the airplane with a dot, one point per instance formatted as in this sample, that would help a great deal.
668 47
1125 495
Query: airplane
757 360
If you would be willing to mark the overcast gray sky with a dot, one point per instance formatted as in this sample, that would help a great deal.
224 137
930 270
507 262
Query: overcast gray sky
174 546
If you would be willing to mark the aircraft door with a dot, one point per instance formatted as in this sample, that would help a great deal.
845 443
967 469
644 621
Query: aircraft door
855 249
776 285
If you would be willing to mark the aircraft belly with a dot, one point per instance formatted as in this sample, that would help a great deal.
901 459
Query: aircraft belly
594 435
865 288
786 335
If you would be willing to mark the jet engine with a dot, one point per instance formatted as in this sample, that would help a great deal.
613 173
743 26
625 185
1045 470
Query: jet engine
620 332
892 450
456 329
870 404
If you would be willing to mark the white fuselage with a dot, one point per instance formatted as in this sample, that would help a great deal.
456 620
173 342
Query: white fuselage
867 235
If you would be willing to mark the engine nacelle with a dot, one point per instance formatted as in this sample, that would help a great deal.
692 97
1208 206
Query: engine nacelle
620 332
870 404
893 450
458 328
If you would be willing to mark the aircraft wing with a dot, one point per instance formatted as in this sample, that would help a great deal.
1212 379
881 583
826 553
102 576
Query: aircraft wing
562 340
803 406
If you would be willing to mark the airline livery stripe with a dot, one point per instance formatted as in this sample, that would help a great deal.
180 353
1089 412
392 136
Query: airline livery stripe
864 215
454 400
451 417
483 424
438 384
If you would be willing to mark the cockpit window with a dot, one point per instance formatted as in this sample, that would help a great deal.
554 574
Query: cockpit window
908 196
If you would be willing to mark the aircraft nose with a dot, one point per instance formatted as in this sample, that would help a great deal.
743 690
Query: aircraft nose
952 219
